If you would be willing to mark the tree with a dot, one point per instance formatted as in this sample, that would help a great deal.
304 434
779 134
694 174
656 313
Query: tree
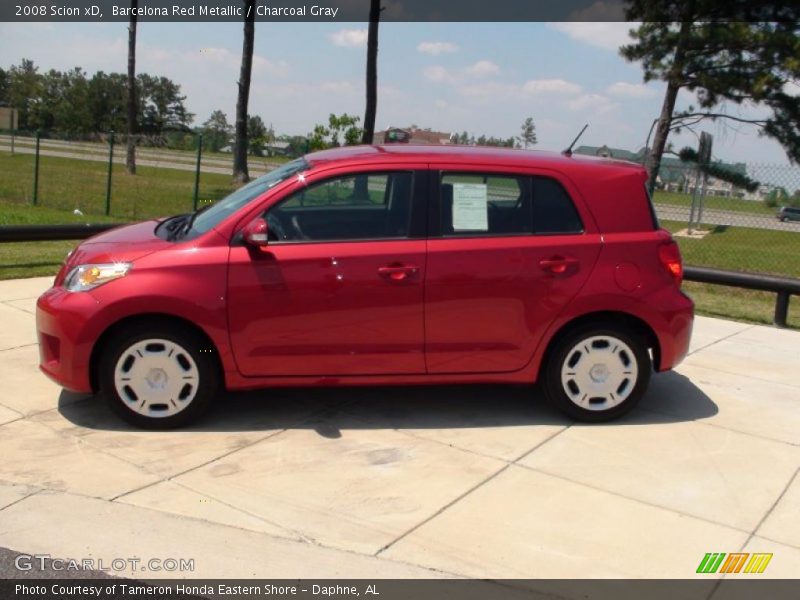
24 85
372 72
342 130
258 135
346 126
130 156
4 86
216 131
161 105
527 136
240 173
742 52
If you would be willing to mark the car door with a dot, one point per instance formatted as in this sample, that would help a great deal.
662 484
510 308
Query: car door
511 251
338 290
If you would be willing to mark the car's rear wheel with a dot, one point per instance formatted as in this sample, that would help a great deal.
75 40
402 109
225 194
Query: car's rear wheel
597 372
158 378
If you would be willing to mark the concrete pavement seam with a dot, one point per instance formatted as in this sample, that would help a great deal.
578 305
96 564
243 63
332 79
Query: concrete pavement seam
18 347
18 500
637 500
466 493
722 339
718 426
772 508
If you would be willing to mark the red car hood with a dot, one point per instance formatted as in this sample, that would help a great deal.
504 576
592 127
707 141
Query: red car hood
121 244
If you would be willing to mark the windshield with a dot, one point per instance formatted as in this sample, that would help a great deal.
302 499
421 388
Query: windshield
215 214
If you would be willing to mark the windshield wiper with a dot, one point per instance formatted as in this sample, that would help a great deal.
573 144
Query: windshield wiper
186 226
173 224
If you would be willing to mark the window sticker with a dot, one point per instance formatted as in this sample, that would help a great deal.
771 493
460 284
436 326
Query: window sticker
470 208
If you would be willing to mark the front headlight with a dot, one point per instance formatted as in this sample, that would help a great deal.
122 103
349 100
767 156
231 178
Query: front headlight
87 277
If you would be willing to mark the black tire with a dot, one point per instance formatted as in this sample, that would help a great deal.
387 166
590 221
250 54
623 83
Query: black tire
563 350
191 342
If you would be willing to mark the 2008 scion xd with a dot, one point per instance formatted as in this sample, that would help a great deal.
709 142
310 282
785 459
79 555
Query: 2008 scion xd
380 265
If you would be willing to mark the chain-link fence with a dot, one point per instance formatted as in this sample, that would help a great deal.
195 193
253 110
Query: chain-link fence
175 172
750 224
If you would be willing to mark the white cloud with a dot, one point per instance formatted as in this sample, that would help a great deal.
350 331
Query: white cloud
438 74
232 60
596 102
482 68
337 87
630 90
792 88
349 38
609 36
488 90
550 86
436 48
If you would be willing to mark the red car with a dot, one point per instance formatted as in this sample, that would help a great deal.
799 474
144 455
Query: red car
380 265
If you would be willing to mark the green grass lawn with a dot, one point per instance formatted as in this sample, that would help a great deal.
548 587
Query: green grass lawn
742 249
67 184
757 207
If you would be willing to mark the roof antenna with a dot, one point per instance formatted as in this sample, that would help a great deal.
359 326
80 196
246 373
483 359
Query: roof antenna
568 151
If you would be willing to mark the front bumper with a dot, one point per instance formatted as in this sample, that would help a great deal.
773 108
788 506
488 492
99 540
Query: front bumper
65 337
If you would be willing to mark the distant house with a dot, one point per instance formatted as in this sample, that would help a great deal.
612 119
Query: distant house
411 135
676 175
9 118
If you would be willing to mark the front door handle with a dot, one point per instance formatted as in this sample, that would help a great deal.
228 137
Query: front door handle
557 264
397 272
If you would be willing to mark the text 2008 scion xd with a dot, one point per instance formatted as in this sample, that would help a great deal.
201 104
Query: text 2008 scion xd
380 265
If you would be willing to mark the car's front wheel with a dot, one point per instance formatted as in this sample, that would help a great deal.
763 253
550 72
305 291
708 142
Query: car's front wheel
158 377
597 372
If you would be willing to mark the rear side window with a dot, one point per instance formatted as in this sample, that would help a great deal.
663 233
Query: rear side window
497 205
553 210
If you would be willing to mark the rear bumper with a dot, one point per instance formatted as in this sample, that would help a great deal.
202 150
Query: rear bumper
65 345
676 334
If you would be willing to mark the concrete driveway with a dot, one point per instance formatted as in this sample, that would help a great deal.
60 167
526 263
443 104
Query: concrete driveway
481 482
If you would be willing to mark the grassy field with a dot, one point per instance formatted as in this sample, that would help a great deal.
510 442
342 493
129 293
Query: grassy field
68 184
756 207
742 249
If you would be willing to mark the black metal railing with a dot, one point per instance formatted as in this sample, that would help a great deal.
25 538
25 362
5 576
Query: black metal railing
40 233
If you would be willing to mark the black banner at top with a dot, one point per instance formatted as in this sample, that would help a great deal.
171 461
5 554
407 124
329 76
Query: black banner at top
358 10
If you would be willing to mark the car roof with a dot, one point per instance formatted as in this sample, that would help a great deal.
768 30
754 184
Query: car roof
463 154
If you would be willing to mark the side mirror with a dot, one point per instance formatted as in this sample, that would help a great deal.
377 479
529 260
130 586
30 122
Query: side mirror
255 233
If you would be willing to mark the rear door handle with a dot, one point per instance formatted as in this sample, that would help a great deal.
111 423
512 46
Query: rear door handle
398 272
557 264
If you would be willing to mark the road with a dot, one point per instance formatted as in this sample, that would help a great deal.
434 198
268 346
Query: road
670 212
185 161
145 157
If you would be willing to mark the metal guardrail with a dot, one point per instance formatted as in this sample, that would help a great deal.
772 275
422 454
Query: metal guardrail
783 287
40 233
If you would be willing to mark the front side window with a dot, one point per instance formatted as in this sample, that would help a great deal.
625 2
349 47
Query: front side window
215 214
497 205
353 207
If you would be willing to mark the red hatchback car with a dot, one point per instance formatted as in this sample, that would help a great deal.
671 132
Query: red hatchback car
380 265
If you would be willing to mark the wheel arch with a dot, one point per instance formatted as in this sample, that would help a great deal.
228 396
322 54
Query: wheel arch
148 319
625 319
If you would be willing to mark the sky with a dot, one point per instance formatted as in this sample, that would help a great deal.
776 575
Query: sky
485 78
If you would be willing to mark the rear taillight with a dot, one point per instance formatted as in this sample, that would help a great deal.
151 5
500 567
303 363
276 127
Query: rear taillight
670 256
